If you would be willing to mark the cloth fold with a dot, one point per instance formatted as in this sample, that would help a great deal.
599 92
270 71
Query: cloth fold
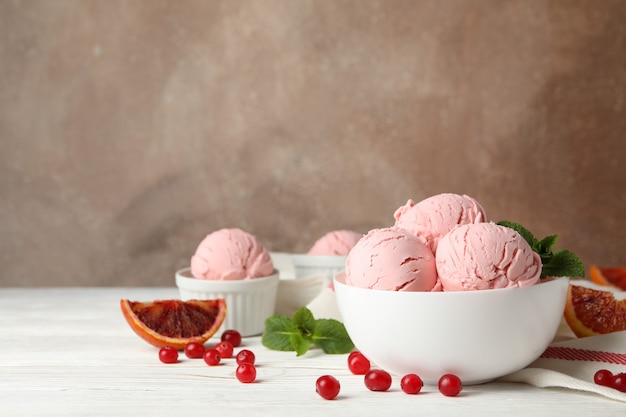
573 363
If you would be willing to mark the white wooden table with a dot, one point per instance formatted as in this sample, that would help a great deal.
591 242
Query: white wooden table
69 352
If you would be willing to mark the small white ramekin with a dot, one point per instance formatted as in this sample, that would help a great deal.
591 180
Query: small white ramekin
248 302
328 265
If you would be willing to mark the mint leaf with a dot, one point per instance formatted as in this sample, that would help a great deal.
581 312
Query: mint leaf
304 324
331 336
300 343
562 263
302 330
303 321
277 333
545 245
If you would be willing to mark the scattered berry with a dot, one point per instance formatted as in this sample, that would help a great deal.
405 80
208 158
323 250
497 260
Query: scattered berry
246 373
603 377
194 350
619 382
411 384
450 385
606 378
377 380
327 387
232 336
358 364
225 349
212 357
168 354
245 356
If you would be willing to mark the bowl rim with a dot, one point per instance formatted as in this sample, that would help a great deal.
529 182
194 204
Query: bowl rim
192 283
339 280
335 261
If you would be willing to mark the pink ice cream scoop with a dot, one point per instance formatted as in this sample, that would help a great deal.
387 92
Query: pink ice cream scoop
484 256
433 217
337 242
231 254
391 259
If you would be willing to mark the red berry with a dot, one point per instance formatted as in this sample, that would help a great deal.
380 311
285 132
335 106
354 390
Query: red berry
377 380
245 356
194 350
327 387
603 377
225 349
212 357
450 385
619 382
358 364
168 354
411 384
232 336
246 373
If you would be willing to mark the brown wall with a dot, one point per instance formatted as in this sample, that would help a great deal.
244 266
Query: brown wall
130 129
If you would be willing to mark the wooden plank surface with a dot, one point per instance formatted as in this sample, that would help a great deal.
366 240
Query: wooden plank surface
69 352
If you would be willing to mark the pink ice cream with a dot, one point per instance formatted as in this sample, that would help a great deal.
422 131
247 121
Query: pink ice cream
391 259
434 217
231 254
485 256
337 243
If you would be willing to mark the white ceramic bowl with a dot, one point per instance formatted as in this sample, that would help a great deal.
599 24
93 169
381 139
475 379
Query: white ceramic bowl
329 265
477 335
248 302
296 293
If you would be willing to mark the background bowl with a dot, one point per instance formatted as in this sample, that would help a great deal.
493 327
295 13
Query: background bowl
329 265
296 293
477 335
248 302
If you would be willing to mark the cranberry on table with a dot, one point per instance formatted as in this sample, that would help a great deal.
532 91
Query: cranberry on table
619 382
245 356
194 350
377 380
246 373
358 363
225 349
232 336
168 354
411 384
450 385
327 386
212 357
603 377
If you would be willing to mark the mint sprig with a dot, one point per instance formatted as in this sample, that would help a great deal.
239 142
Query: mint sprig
303 330
559 263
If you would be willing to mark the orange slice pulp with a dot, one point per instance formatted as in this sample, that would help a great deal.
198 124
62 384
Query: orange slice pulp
590 312
614 277
174 322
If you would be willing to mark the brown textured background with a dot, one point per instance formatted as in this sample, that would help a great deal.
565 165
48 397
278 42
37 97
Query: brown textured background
130 129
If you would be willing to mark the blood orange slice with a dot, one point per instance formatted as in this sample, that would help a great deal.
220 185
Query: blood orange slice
174 322
590 312
614 277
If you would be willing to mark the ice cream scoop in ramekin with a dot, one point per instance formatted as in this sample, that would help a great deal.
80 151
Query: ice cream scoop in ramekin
232 264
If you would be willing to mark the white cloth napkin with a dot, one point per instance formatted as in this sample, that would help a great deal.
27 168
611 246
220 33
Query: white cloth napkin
573 363
324 306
